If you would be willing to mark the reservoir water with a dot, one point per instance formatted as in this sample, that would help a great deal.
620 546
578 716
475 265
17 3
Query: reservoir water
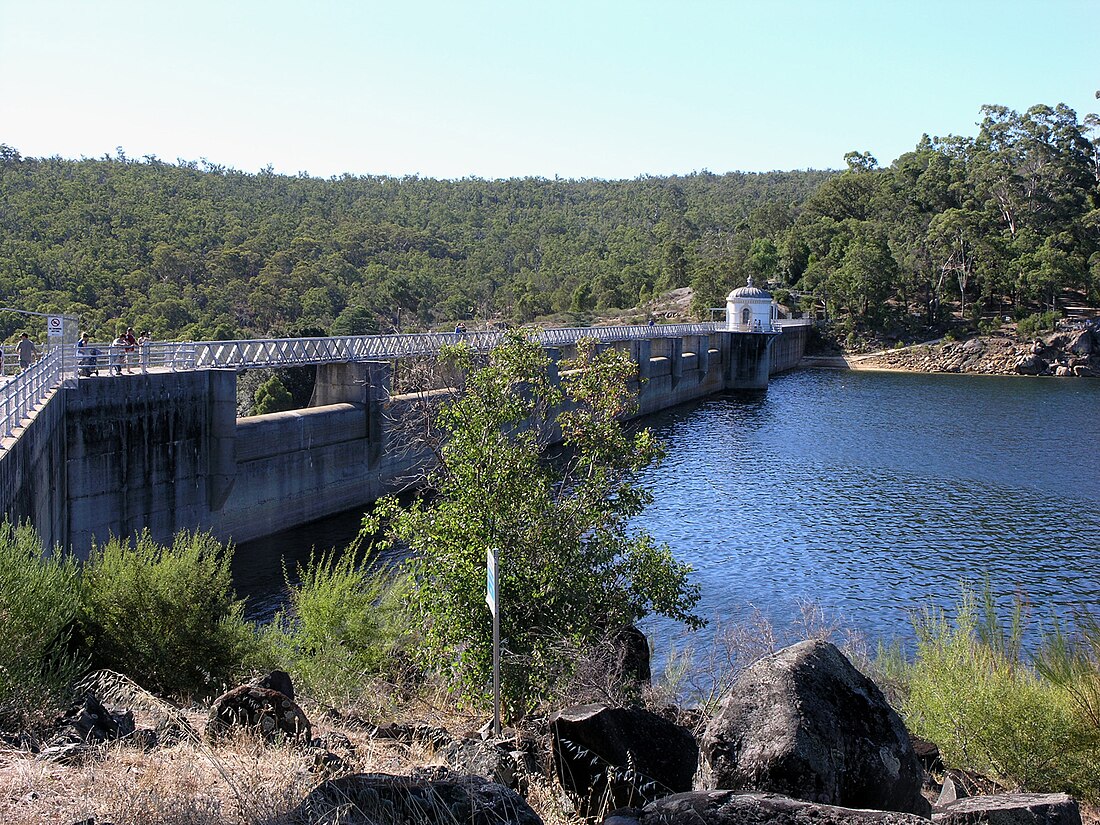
869 494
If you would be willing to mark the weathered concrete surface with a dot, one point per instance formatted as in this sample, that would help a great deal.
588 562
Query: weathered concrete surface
32 474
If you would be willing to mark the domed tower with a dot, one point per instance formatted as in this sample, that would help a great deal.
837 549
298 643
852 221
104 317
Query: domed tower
750 309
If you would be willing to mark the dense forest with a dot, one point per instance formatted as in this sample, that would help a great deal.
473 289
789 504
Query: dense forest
1002 222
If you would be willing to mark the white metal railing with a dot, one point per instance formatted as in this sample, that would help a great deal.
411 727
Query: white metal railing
23 392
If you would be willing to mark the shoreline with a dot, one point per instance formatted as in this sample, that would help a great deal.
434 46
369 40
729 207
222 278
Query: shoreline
1074 354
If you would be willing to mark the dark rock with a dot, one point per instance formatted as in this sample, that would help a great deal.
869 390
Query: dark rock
92 722
928 753
428 798
632 659
804 723
1081 343
484 758
1031 365
270 713
620 757
1011 809
277 680
410 734
734 808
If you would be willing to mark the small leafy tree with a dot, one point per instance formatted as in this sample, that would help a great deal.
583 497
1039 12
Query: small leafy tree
272 396
571 566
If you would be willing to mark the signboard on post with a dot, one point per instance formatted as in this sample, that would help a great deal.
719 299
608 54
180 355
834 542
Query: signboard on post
491 580
491 590
55 326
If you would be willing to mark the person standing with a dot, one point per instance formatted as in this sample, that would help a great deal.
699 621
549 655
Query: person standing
130 348
26 350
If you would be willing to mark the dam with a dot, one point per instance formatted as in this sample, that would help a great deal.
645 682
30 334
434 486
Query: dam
163 450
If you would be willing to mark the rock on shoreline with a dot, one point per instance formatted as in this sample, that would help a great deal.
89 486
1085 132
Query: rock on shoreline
1064 354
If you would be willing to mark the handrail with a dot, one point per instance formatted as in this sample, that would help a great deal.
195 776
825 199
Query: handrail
24 392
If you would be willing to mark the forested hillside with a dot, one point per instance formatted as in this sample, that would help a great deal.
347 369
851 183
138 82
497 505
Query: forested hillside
193 250
1002 222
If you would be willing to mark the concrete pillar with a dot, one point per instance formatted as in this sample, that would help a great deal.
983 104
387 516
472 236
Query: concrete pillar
222 457
676 358
378 376
642 351
703 355
749 361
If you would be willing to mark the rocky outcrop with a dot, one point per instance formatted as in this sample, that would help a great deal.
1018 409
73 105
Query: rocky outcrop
1010 809
1075 353
428 798
618 757
734 808
806 724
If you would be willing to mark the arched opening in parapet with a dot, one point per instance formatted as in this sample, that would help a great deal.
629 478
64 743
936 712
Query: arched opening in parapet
746 316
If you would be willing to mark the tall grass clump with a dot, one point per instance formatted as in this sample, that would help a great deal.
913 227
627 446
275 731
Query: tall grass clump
343 624
971 692
166 616
38 601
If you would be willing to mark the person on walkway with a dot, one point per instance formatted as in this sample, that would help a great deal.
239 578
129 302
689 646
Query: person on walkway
131 342
118 353
26 350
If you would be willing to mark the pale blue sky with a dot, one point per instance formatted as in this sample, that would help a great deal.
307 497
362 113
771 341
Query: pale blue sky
502 89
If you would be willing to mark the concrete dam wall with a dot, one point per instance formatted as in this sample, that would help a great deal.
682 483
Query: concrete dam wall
164 451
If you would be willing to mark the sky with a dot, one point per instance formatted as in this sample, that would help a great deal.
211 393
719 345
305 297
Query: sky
595 89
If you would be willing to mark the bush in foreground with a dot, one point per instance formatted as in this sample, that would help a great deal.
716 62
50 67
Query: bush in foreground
166 616
343 623
970 692
38 601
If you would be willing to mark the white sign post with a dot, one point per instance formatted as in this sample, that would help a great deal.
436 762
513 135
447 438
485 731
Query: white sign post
492 581
55 326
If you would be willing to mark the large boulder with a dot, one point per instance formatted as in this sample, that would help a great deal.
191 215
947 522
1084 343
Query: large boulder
805 723
1010 809
620 757
1032 365
734 808
270 713
438 798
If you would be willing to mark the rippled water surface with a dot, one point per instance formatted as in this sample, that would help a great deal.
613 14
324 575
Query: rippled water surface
867 493
872 494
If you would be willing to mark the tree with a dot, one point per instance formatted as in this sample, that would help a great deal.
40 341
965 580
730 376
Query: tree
271 396
572 568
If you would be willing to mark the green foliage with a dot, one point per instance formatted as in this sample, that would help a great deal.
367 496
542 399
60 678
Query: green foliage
165 616
969 692
570 568
344 622
38 601
272 396
1032 325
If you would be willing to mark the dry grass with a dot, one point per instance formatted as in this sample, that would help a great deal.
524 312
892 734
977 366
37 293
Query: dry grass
242 780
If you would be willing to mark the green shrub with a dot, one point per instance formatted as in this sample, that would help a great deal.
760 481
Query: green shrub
343 623
1032 325
165 616
38 601
969 692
